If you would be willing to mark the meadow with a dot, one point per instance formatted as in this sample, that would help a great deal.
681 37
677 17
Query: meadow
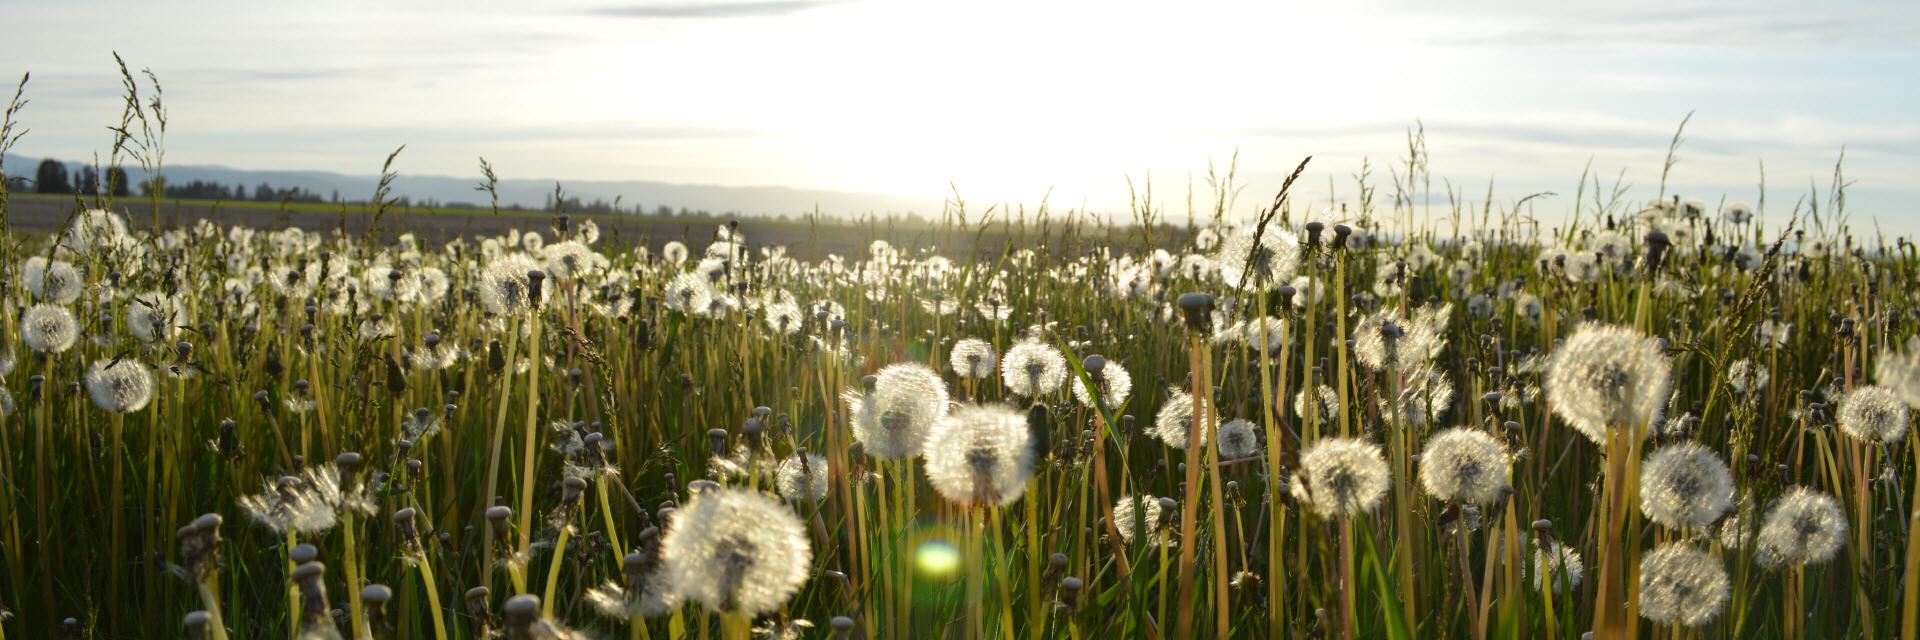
1664 419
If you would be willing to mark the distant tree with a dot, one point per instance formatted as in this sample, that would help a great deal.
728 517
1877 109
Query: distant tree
52 177
664 211
117 182
264 193
89 180
155 184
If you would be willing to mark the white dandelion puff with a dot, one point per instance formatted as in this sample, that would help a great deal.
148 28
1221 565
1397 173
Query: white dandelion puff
893 419
1559 565
1899 371
735 550
1606 377
1341 477
506 289
1174 423
1680 585
972 358
1466 466
1324 396
1873 414
802 477
1115 385
1147 519
1265 262
154 316
1685 485
689 293
980 455
47 328
53 281
1033 369
119 386
1804 527
1238 440
1747 376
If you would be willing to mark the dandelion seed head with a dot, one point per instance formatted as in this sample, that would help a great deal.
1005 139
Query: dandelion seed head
505 289
783 318
980 455
154 316
1115 385
46 328
1147 519
1605 377
1263 263
802 478
674 252
122 386
1466 466
1327 399
1747 376
1873 414
54 281
893 420
1680 585
1174 422
1032 369
1560 564
1685 485
1341 477
735 550
1238 440
689 293
972 358
1804 527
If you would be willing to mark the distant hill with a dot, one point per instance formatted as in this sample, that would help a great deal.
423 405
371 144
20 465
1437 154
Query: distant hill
446 190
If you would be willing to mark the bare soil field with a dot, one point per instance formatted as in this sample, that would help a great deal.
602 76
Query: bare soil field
34 214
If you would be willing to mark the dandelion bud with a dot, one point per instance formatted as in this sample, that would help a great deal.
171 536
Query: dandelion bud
1340 233
476 599
1040 430
535 279
521 612
1094 365
303 553
266 402
403 519
34 383
313 592
374 599
1198 308
1070 591
1657 245
196 624
842 626
571 490
717 441
1313 232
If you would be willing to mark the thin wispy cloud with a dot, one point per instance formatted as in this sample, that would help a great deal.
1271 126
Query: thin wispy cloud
682 10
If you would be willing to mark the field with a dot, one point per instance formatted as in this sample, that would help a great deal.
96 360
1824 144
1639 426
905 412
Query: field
39 214
1663 419
276 430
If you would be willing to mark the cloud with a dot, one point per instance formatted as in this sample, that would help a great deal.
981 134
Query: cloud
696 9
1654 24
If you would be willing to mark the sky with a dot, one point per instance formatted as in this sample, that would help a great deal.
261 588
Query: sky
1012 102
